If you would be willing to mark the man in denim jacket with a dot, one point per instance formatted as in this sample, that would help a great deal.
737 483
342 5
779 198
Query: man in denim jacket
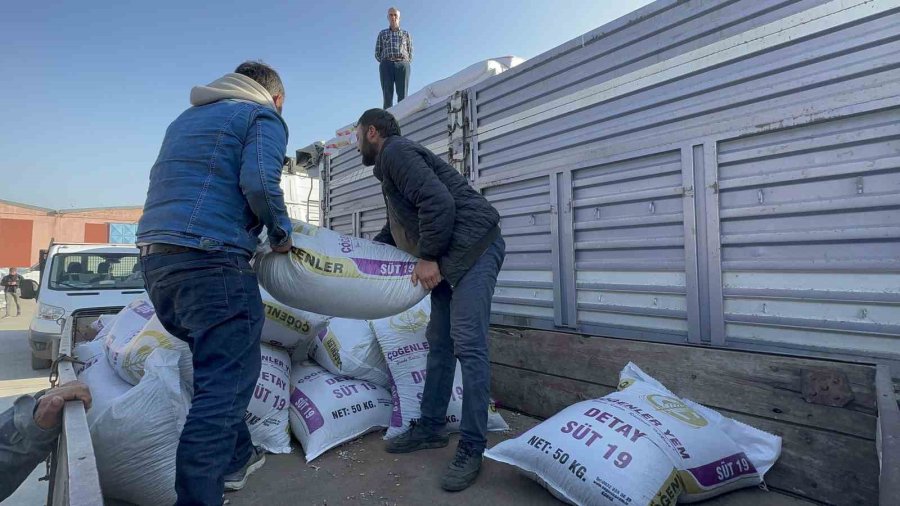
212 188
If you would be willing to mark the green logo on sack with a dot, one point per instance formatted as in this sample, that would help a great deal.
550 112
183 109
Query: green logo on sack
625 383
409 321
677 409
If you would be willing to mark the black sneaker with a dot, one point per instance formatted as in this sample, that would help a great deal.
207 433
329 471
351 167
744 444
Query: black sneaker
237 479
417 438
464 469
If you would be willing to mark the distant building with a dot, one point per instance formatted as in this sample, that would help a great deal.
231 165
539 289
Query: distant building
26 229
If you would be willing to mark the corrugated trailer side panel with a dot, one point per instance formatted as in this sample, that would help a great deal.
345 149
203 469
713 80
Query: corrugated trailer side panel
739 188
719 172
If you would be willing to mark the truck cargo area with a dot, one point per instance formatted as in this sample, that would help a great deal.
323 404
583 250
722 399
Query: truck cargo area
829 453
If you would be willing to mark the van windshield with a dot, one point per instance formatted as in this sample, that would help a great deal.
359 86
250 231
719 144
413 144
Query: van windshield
95 271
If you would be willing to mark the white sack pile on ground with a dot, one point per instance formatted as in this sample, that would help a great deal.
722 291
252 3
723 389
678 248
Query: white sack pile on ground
137 332
267 414
327 409
349 348
405 348
641 445
135 438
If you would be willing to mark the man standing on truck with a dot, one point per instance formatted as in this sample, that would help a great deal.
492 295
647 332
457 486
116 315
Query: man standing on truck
394 52
436 216
11 284
212 188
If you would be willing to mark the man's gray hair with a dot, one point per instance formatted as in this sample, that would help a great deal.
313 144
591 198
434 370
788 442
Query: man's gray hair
394 9
263 74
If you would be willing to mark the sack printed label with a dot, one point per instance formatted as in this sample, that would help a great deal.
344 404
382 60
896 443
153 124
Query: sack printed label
284 318
307 410
677 409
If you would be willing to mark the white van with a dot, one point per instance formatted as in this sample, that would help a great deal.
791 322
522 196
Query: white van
80 282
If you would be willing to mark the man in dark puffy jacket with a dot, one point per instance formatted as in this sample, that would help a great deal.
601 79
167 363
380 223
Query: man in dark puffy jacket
435 215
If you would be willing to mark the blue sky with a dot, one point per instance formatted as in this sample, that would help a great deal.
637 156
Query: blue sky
88 88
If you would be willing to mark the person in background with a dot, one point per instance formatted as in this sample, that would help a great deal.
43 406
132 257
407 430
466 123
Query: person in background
435 215
11 284
214 185
394 52
29 429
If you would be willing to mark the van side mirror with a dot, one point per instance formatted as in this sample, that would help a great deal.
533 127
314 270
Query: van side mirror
29 289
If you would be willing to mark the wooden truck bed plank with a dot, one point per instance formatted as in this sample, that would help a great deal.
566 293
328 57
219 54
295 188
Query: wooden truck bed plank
755 383
828 455
888 438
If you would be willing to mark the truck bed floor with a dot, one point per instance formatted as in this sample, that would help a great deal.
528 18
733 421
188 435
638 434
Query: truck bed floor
362 473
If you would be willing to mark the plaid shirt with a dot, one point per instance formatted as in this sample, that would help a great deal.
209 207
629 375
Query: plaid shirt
393 46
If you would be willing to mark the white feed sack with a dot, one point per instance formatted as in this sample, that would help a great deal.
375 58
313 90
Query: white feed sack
136 438
641 445
106 386
339 275
128 322
405 347
289 327
127 351
349 348
102 325
267 414
327 410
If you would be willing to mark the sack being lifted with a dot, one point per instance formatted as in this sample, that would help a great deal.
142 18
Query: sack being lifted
338 275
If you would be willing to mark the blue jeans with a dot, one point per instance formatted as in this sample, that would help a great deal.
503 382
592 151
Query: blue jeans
393 74
458 329
211 301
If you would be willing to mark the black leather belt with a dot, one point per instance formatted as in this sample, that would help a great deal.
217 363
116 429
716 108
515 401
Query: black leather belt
165 249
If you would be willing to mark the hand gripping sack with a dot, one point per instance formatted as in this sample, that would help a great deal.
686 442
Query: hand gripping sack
339 275
288 327
640 446
135 439
405 347
267 413
349 348
327 410
128 352
106 386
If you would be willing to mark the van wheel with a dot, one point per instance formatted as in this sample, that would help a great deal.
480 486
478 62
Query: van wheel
40 363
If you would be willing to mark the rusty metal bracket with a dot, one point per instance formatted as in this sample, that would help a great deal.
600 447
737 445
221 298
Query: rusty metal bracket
829 388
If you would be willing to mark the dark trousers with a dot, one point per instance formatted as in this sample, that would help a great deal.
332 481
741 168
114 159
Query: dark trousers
393 74
458 329
211 301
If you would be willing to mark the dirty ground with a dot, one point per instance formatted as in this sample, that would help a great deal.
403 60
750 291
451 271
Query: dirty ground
362 473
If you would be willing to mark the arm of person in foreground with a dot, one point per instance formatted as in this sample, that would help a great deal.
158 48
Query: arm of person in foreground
29 429
261 164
